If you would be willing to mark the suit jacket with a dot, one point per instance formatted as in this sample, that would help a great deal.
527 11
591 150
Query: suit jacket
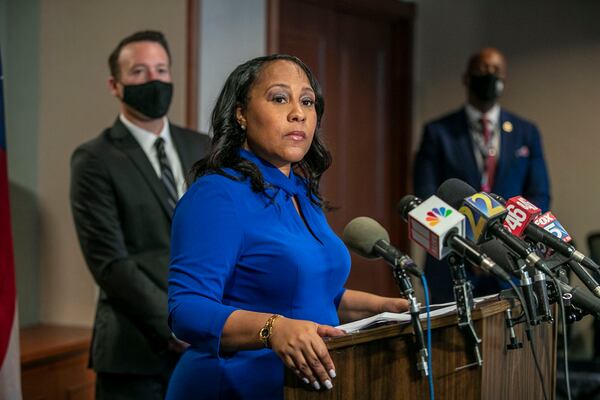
123 222
446 151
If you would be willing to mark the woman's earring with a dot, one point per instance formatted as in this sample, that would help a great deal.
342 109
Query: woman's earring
243 127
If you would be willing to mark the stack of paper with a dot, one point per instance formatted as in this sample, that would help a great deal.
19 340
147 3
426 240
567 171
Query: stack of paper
436 310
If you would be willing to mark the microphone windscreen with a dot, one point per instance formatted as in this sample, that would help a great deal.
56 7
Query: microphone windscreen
500 254
453 191
361 234
407 204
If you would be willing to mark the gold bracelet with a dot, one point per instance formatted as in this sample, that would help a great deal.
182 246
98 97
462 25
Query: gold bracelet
266 331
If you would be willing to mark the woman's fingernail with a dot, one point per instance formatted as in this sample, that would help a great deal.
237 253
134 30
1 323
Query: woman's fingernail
316 385
332 373
328 384
305 380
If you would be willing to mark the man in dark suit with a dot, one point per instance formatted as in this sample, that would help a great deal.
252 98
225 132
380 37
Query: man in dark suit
486 146
124 186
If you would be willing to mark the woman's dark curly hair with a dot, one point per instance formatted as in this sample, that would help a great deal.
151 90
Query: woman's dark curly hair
228 136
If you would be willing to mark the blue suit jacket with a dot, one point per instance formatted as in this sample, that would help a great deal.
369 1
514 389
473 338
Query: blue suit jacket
446 151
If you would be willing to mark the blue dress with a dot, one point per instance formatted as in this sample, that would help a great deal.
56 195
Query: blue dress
233 248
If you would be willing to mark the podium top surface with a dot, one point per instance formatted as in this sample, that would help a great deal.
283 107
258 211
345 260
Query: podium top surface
481 310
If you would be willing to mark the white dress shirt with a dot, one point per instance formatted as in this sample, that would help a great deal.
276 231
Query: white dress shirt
146 139
479 147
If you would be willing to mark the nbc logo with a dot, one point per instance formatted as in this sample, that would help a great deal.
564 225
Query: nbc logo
433 216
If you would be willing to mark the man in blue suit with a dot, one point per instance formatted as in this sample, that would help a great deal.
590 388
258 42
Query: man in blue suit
487 147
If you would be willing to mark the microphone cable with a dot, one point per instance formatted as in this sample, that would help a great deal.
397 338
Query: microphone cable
530 336
564 329
428 311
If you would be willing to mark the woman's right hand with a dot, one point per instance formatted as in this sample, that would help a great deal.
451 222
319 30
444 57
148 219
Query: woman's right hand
300 345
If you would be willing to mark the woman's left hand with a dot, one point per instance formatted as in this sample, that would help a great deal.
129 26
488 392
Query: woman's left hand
356 305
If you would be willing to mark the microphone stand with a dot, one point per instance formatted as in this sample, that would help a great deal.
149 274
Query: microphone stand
406 288
559 267
510 325
530 299
463 293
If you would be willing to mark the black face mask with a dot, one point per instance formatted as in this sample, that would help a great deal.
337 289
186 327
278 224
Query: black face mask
486 87
151 98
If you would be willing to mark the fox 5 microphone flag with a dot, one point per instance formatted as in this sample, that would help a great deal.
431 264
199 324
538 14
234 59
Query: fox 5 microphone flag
10 380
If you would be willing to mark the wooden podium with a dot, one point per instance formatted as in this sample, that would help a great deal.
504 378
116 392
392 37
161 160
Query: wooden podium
381 363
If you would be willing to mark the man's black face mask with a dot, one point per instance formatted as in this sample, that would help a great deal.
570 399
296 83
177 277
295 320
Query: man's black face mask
486 87
151 98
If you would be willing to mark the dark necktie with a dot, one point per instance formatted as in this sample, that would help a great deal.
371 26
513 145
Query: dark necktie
166 174
489 169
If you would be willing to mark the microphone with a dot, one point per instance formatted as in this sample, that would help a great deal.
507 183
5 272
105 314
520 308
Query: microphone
520 214
430 222
587 279
509 261
479 209
367 238
556 237
548 228
580 297
484 219
439 229
524 219
545 229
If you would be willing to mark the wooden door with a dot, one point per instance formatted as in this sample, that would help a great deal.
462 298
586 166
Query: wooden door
361 54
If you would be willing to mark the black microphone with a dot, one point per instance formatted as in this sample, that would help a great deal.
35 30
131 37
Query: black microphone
581 298
522 220
369 239
541 235
541 293
451 239
484 217
587 279
511 263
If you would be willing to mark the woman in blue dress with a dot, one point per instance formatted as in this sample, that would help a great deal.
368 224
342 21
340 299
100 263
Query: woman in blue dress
257 275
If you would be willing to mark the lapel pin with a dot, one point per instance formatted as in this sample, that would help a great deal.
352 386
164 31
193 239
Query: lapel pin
507 126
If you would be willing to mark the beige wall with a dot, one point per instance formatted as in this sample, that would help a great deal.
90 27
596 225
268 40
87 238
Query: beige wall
19 42
553 49
75 105
553 53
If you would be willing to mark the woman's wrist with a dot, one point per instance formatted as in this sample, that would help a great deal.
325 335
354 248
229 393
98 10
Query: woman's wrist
266 332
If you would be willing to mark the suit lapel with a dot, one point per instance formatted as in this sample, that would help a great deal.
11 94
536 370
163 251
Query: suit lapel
125 141
507 148
183 151
465 152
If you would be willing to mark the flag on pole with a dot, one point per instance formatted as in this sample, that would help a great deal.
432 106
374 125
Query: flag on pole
10 375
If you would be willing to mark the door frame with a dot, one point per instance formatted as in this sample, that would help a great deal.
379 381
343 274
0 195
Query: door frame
401 16
192 67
